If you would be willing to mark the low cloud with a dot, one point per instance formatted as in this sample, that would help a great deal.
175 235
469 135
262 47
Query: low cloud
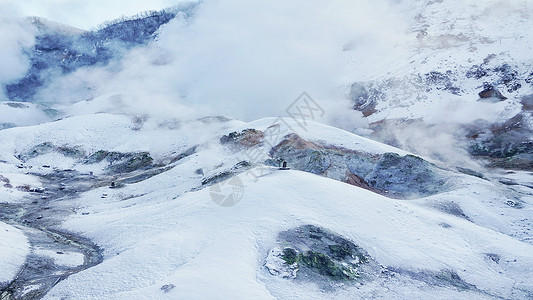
248 59
16 34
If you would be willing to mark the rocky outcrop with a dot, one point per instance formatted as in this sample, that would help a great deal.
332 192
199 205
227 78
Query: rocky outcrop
504 74
527 103
117 162
48 147
246 138
449 207
442 81
406 176
227 174
364 101
495 75
302 155
311 252
507 145
490 92
121 162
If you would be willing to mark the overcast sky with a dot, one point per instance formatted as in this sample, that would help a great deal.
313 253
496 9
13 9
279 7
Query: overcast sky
84 14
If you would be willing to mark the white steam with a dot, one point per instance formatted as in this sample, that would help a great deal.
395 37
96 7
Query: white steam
16 33
246 59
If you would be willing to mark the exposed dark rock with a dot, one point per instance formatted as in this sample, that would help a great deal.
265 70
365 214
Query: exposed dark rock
7 125
241 165
16 105
450 207
470 172
121 162
325 265
301 154
529 78
311 253
314 252
508 77
476 72
37 151
389 173
246 138
501 75
405 175
236 169
145 174
355 180
131 162
513 204
491 92
493 257
364 101
98 157
167 288
290 256
442 81
507 181
527 102
448 277
75 152
5 180
182 155
507 145
516 162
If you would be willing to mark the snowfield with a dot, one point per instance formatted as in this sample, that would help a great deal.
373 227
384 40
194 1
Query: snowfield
165 237
14 247
207 251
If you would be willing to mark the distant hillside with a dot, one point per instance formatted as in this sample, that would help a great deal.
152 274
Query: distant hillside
62 50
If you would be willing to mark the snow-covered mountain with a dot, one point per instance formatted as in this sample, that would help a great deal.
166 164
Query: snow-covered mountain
468 69
117 181
61 50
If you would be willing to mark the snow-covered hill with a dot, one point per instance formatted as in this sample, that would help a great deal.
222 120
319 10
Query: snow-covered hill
163 235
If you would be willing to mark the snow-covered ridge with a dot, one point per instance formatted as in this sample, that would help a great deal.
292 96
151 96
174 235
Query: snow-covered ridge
162 235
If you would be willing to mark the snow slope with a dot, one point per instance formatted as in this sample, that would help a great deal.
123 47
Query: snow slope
207 251
427 75
14 247
166 230
164 237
